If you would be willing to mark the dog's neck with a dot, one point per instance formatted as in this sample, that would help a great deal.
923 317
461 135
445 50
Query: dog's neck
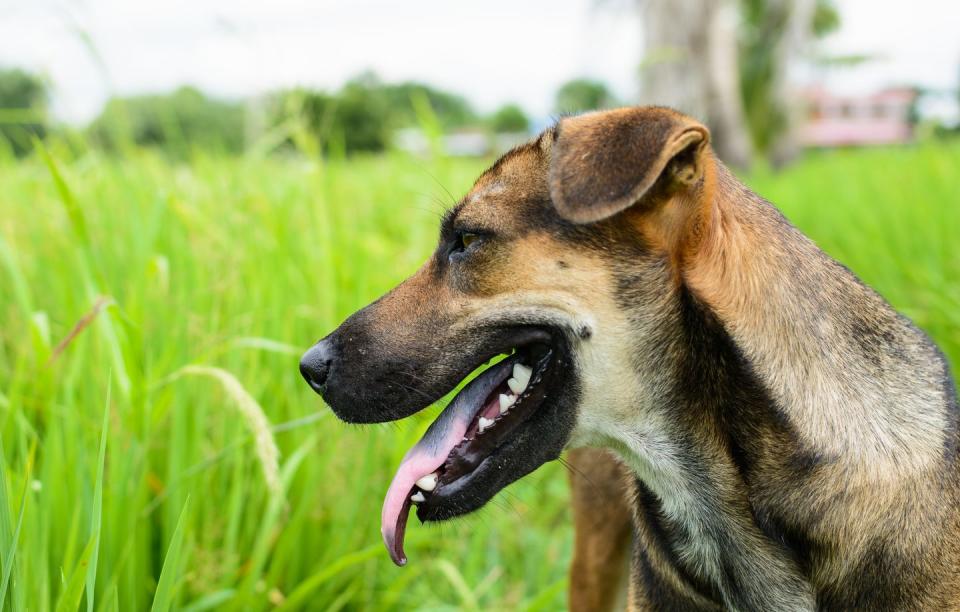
775 366
839 362
693 452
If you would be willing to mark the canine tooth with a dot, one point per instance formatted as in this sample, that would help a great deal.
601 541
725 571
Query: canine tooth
484 423
506 401
428 483
516 386
522 373
418 497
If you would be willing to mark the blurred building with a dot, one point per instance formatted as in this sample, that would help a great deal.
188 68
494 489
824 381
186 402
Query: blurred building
881 118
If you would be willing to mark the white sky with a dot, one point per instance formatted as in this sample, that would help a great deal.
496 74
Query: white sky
491 51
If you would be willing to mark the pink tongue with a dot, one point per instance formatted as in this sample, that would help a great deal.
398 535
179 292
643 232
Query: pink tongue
430 453
418 462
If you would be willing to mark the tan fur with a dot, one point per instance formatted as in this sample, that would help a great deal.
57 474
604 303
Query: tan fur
602 522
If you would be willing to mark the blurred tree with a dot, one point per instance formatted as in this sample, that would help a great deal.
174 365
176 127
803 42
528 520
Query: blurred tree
354 119
176 123
363 113
690 63
581 95
301 117
773 34
826 18
729 62
509 118
23 109
450 109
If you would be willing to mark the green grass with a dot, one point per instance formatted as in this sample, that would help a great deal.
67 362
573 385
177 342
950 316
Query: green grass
135 455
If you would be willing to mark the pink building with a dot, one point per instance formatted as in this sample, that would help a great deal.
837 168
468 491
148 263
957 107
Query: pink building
876 119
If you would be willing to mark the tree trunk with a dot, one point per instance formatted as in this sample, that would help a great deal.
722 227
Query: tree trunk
691 64
796 17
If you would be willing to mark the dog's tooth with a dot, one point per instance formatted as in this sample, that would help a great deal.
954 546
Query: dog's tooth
522 373
428 483
484 423
506 401
516 386
418 497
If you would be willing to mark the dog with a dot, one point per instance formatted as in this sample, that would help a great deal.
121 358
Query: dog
784 439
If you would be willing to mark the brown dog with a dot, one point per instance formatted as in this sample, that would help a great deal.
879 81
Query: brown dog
790 440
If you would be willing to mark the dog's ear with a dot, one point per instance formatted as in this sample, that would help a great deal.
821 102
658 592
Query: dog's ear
602 163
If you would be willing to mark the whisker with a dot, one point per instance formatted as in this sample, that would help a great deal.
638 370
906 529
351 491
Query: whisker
576 472
439 184
411 389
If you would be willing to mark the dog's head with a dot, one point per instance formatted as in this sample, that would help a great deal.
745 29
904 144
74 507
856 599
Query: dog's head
529 265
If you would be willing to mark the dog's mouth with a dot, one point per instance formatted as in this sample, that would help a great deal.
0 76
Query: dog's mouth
477 434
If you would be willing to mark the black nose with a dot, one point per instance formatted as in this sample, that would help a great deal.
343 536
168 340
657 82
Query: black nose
315 365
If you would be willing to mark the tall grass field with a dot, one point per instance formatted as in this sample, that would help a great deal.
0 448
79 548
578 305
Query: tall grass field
159 448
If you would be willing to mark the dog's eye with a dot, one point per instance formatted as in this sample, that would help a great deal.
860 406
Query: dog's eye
467 239
463 241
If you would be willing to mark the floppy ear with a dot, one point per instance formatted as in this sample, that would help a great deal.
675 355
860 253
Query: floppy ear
603 163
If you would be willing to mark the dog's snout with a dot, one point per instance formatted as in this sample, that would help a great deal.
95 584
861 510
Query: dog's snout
315 365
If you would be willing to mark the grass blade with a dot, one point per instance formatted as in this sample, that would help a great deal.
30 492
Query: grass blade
17 281
210 601
298 597
11 540
70 597
167 585
459 584
269 345
547 598
266 446
97 511
74 212
8 542
262 546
